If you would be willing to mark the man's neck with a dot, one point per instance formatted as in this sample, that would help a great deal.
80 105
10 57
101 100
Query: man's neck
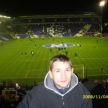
62 90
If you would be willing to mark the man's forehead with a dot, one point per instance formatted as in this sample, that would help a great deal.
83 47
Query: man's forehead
63 62
59 63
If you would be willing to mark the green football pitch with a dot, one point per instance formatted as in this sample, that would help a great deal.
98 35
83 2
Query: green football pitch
27 59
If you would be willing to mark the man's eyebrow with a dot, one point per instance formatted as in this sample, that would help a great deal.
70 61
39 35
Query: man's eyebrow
69 67
57 69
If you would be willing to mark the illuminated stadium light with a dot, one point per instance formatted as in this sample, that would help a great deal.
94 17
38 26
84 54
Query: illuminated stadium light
102 3
3 16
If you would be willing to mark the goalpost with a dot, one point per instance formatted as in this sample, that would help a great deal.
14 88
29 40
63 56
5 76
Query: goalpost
79 71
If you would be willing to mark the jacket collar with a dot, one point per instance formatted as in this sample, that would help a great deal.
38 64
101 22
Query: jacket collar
48 83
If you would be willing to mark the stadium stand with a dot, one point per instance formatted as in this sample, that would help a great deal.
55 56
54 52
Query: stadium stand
55 25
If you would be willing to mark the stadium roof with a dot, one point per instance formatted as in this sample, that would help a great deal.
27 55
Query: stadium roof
34 7
86 14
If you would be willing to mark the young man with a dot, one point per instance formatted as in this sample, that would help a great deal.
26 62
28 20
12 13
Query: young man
61 88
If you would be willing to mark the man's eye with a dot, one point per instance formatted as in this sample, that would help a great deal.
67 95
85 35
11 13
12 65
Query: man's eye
67 69
57 71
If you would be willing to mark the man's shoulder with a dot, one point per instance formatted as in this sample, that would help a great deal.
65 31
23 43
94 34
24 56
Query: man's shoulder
80 87
37 88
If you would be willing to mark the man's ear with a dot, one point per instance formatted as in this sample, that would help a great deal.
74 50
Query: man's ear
72 70
50 73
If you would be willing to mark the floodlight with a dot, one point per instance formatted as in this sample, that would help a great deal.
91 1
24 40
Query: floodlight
3 16
102 3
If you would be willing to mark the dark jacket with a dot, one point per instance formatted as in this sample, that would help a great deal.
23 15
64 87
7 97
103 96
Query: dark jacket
46 96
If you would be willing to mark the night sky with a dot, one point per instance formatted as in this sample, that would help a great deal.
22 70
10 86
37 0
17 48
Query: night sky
34 7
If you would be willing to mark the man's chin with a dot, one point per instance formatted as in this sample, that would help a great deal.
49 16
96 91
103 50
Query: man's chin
62 86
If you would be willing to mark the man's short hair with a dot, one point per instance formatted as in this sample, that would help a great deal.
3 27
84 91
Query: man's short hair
61 58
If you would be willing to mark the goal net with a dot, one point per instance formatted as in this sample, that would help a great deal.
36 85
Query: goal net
79 71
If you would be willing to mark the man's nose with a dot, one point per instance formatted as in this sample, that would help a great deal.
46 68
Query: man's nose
63 75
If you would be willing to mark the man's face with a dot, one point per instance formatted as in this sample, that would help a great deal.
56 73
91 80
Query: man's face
61 73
